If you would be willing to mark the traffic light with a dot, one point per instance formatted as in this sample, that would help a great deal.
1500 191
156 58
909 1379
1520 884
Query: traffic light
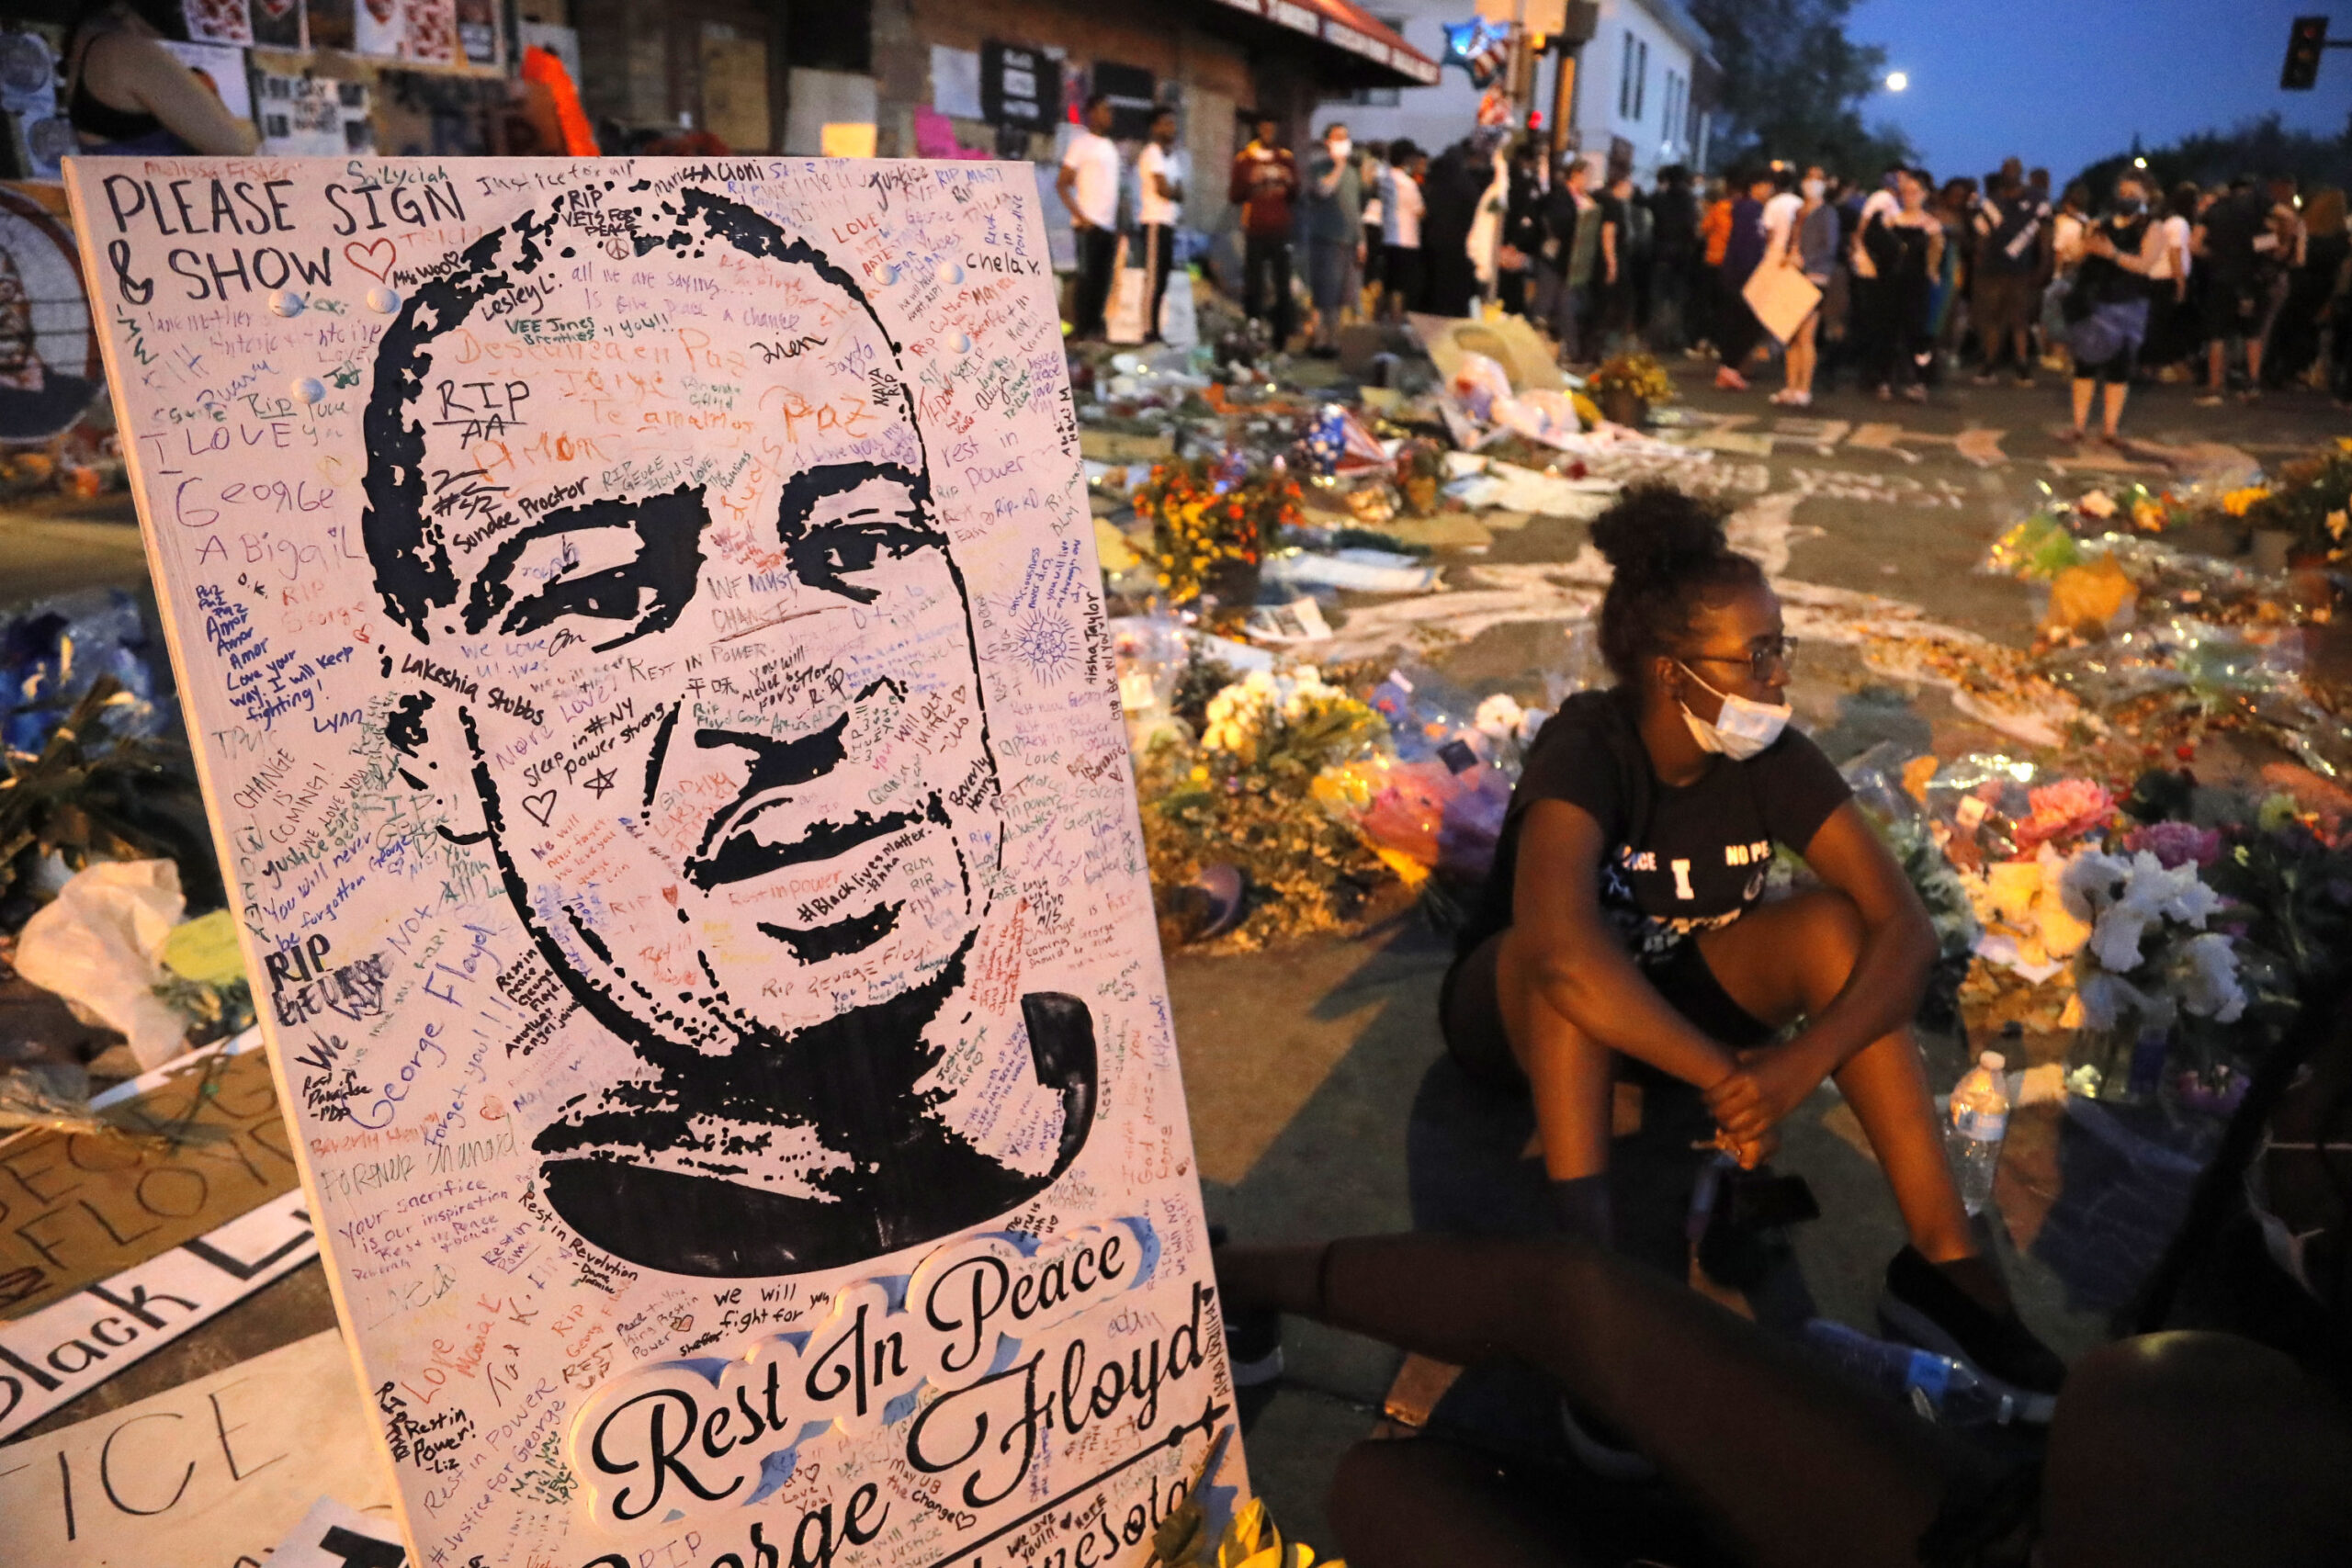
2303 47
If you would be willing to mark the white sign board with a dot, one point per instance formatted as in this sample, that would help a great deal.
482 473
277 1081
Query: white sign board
641 630
206 1474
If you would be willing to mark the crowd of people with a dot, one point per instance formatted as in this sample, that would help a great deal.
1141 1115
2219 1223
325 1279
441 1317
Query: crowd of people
2237 289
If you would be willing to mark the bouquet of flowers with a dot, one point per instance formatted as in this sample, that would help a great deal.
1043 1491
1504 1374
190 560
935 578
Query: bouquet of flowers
1210 528
1633 375
1246 796
2149 959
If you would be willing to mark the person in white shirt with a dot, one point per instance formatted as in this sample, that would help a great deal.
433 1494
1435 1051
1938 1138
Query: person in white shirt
1088 185
1400 217
1159 195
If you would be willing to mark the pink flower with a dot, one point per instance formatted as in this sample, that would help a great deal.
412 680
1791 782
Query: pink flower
2066 809
2176 844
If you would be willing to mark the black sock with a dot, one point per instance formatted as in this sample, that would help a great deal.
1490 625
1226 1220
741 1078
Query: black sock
1584 1209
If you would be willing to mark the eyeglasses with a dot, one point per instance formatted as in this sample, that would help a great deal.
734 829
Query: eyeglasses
1779 653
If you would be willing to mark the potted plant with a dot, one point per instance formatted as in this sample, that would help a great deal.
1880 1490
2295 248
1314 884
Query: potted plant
1628 385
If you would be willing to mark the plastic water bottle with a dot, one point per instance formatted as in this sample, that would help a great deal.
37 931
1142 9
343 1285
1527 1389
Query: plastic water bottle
1935 1386
1980 1120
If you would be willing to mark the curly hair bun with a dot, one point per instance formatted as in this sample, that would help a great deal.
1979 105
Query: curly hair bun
1658 533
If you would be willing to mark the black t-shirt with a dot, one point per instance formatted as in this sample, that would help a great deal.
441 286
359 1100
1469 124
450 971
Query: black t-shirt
1681 860
2231 225
2012 230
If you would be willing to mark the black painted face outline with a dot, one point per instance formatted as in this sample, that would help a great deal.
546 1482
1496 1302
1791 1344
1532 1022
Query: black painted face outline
417 573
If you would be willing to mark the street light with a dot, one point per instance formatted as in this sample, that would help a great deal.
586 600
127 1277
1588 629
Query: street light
2138 163
1897 81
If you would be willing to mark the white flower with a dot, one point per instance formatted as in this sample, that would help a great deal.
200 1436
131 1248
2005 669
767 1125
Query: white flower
2096 504
2091 883
2208 978
1499 718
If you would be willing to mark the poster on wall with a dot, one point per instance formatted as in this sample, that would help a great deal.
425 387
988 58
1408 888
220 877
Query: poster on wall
218 21
421 31
641 631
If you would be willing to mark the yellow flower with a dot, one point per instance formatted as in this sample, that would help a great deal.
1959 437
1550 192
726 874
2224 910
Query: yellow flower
2335 523
2238 502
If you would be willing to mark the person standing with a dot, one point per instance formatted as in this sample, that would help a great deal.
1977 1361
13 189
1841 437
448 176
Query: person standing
2227 244
2325 247
2012 232
1572 252
1522 231
1674 227
1811 249
2120 252
1375 232
1743 254
1456 183
1159 196
1264 185
1714 237
1901 249
1088 185
1401 208
1333 226
2172 320
2281 249
1615 282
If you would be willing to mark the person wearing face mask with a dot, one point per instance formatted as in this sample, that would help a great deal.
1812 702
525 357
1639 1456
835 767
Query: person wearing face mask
1623 925
1333 220
2121 253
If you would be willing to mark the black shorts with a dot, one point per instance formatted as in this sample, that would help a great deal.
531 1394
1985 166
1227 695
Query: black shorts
1470 1012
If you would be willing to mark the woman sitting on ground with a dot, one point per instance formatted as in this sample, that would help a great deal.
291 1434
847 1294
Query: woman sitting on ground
2170 1449
1624 918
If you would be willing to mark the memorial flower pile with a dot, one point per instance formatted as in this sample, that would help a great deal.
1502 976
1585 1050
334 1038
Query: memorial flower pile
1244 795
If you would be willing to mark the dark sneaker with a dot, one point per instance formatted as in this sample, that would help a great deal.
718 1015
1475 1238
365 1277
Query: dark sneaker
1254 1346
1253 1335
1924 1307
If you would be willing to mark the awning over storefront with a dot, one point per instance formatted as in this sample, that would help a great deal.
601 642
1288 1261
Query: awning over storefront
1346 25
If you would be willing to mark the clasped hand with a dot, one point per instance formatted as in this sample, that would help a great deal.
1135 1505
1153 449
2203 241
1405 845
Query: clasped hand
1749 1103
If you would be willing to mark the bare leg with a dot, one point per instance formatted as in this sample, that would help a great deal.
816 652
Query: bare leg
1791 1464
1569 1073
2116 392
2082 390
1805 355
1795 957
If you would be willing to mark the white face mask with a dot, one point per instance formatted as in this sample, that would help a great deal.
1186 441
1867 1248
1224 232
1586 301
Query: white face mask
1341 149
1814 188
1743 728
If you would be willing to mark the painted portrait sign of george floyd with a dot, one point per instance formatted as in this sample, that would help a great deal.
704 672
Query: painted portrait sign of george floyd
642 632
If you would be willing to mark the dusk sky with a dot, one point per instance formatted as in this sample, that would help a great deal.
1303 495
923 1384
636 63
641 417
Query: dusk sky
2064 83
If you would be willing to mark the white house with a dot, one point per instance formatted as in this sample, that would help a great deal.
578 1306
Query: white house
1634 90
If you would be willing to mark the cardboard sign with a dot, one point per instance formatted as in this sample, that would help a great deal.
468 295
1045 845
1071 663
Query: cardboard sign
203 1146
63 1351
214 1472
640 624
